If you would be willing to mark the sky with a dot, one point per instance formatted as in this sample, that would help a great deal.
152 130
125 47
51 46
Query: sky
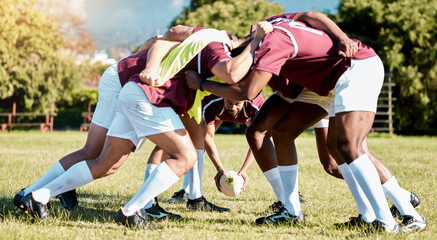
127 23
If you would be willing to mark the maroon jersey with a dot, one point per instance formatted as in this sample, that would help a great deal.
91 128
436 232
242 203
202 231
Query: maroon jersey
303 55
214 109
136 63
175 93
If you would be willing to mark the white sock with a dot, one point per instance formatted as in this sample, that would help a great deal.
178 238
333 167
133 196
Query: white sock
76 176
400 198
55 171
160 180
289 178
195 181
361 200
367 176
149 169
186 183
274 179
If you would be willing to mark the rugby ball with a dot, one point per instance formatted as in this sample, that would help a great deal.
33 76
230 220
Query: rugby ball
231 183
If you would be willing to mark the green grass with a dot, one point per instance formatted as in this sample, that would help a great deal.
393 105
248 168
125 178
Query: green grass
25 156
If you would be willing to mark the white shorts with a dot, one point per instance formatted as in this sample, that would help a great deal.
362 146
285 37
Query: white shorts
109 88
136 118
359 87
322 123
308 96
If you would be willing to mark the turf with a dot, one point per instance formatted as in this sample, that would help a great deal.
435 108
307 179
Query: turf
26 155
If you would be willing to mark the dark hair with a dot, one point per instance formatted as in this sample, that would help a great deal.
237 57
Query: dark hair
236 51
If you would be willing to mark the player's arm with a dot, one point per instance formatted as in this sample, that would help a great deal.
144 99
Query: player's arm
234 69
158 51
250 159
176 33
346 46
211 150
246 89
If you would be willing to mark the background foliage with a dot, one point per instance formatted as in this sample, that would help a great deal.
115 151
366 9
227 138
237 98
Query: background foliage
38 50
403 32
236 16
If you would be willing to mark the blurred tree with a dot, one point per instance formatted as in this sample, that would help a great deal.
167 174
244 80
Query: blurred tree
236 16
71 26
34 70
403 32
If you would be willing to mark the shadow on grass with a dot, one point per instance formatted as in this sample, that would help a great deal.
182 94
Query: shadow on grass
98 208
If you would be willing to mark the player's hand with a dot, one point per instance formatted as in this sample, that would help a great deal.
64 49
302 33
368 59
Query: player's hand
246 179
149 77
217 177
347 47
262 29
193 79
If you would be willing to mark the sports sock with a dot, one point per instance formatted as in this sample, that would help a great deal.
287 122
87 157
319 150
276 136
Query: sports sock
367 176
289 178
186 183
400 198
149 169
195 182
76 176
55 171
274 179
160 180
361 200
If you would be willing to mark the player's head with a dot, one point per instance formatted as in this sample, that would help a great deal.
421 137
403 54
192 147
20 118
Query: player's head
233 107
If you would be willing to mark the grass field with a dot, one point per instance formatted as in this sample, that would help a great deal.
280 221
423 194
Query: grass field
25 156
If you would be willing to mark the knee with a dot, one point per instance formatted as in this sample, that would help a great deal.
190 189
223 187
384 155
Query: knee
187 160
254 136
332 169
89 152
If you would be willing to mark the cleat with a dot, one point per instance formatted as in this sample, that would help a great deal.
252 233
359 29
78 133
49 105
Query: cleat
17 200
379 227
414 200
69 201
409 224
301 200
157 213
178 197
276 206
354 222
34 207
138 220
281 217
201 204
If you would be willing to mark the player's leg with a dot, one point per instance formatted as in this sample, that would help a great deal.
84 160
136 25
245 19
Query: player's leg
196 200
109 88
258 136
404 201
298 118
328 162
356 94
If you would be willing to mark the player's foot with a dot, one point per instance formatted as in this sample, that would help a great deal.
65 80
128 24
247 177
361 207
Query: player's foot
156 212
280 217
178 197
138 220
276 206
201 204
33 207
409 224
414 200
354 222
379 227
17 200
301 200
69 200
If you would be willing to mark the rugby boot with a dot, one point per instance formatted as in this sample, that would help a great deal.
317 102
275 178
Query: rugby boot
201 204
